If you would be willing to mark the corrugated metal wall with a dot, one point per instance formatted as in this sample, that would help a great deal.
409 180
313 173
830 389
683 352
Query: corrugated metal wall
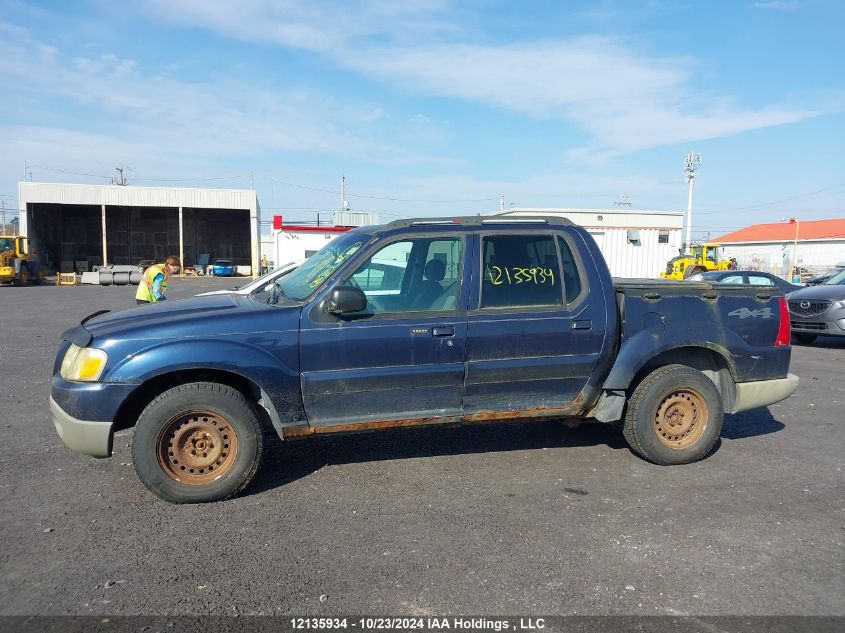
114 195
34 194
354 218
646 259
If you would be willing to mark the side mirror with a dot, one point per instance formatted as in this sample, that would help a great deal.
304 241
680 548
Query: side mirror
344 300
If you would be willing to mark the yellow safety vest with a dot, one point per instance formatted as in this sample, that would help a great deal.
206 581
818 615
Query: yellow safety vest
145 288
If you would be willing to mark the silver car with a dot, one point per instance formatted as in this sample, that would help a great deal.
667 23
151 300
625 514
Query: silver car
818 310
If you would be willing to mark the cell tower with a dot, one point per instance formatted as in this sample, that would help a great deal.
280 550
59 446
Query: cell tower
625 202
119 178
692 161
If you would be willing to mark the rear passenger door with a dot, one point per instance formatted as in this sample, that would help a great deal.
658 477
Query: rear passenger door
534 334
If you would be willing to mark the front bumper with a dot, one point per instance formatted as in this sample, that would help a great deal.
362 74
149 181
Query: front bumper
831 322
819 326
83 436
761 393
84 413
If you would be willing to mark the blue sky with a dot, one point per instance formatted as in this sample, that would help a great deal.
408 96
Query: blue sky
435 107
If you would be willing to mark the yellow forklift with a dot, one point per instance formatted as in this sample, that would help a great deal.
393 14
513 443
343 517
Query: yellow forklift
704 258
17 264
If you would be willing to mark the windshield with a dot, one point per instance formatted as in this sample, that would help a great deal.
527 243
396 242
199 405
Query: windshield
319 267
837 280
267 278
7 244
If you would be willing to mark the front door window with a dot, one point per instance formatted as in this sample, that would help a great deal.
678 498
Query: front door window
416 275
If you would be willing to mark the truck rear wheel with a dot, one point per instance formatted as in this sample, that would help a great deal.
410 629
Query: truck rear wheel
674 416
197 442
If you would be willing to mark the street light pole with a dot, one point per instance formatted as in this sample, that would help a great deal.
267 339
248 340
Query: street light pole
794 250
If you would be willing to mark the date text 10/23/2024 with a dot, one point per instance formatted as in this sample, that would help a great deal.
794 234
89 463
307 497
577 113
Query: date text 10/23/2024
418 624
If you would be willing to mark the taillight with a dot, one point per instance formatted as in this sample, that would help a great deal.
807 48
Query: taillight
785 326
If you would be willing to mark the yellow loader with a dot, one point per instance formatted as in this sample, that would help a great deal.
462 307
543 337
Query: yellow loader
17 265
704 257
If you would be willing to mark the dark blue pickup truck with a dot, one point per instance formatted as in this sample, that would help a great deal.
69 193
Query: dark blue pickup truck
420 322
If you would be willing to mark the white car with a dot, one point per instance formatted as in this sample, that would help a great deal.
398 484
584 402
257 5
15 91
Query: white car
259 283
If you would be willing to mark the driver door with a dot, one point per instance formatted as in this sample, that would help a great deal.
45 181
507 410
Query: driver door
402 358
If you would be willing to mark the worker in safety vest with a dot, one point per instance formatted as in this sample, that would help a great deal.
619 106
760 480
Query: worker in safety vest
154 282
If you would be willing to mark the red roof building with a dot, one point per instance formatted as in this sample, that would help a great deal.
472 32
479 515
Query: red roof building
821 245
785 232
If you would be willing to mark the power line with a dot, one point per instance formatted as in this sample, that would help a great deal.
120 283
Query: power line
292 184
237 177
72 173
803 195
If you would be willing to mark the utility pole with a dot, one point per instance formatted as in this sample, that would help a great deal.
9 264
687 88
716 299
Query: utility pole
3 206
344 205
691 162
502 204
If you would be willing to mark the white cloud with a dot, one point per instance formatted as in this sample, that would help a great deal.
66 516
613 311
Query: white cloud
218 118
623 97
780 5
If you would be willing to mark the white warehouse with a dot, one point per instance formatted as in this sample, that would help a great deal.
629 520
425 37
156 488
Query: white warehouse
634 243
78 226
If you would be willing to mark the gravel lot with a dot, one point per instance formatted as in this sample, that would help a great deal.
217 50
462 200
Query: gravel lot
530 518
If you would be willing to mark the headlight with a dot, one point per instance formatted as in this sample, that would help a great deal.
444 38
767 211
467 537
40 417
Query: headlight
83 364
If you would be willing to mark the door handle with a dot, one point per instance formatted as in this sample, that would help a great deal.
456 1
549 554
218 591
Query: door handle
582 325
445 330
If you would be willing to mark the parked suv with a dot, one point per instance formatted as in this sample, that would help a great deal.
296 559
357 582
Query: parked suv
819 310
420 322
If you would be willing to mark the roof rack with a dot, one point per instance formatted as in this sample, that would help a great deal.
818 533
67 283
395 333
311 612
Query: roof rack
479 220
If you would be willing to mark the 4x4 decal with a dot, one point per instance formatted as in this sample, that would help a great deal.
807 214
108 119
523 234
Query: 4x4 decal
745 313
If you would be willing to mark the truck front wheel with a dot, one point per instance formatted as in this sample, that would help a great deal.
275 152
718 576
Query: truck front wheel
197 442
674 416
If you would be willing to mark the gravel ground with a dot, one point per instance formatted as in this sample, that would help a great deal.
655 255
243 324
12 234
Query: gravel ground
500 519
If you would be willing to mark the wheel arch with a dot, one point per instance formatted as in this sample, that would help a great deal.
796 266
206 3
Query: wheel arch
708 361
146 392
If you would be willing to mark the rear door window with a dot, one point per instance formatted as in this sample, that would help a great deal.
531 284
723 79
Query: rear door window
520 271
571 275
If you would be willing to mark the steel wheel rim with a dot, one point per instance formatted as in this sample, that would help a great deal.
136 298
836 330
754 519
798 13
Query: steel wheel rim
197 447
681 418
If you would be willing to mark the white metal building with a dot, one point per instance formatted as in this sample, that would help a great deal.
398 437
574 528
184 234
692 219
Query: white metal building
292 242
634 243
74 226
295 242
769 247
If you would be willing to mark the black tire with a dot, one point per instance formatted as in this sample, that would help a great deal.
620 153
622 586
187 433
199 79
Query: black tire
674 416
211 412
804 339
689 271
23 275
